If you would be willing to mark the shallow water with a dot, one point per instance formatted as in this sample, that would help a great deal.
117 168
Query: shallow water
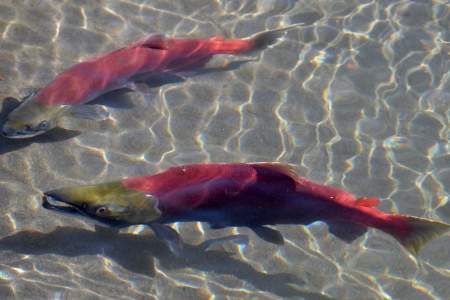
357 98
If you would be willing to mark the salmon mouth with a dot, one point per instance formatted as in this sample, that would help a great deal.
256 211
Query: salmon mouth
11 133
52 202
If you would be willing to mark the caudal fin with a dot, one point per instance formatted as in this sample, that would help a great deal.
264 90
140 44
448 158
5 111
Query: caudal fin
264 39
256 42
416 232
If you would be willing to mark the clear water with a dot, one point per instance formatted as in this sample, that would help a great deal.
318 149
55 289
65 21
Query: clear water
359 99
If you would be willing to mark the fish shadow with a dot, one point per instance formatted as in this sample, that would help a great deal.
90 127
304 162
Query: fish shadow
150 82
136 253
8 145
231 66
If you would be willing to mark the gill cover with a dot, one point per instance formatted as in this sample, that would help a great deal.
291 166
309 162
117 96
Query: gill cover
110 201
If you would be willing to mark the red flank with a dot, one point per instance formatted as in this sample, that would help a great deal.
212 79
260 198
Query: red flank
254 194
237 194
155 53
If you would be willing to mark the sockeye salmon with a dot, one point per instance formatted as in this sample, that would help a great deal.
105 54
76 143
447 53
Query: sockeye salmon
237 194
63 97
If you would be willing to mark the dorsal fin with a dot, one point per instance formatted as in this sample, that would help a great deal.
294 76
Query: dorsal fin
154 41
285 169
369 202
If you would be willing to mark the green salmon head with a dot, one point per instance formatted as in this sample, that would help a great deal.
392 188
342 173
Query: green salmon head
30 119
108 203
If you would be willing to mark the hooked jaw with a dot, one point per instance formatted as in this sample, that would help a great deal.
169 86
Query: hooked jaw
12 133
19 129
52 200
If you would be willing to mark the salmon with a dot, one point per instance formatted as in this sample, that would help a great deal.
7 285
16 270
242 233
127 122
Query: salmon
63 98
252 195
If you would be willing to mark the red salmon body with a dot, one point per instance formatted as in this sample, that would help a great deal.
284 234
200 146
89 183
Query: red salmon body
87 80
257 194
237 194
58 103
258 186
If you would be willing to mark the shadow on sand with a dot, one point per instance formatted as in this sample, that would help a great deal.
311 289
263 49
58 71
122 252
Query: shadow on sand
136 253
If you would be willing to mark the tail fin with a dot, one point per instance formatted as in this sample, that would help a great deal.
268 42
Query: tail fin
416 232
253 43
264 39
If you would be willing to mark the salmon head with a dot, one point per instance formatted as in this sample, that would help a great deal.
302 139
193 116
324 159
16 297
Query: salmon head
31 118
109 203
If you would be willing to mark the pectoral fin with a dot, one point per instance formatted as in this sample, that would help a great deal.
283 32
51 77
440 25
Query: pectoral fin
240 239
88 112
83 118
268 234
346 231
80 125
28 92
170 236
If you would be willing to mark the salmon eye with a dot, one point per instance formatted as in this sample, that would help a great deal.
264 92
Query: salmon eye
101 210
43 125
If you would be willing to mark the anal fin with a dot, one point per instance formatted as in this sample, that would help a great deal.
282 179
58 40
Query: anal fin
345 230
